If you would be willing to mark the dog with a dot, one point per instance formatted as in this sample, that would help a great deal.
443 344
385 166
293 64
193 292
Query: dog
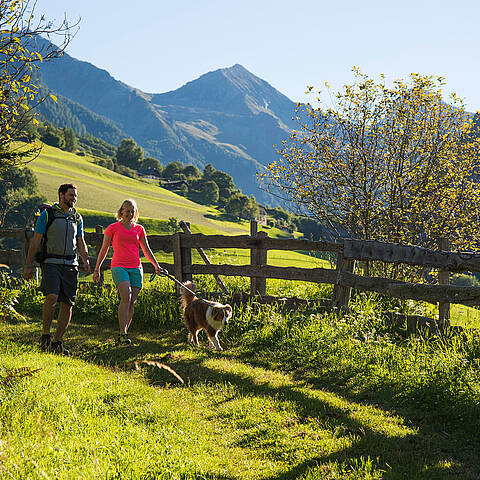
198 314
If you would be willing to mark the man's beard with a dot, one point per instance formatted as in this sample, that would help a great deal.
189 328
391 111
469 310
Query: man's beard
70 203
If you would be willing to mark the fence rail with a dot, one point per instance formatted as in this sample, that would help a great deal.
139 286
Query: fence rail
344 278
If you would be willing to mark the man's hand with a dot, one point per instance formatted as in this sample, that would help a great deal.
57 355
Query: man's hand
86 266
28 272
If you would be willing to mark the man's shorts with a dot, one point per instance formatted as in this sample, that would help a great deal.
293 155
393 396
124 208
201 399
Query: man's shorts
60 280
132 275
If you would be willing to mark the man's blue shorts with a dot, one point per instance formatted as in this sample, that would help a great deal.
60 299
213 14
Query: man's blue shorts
132 275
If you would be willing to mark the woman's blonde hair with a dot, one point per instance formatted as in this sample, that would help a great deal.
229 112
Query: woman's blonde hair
128 203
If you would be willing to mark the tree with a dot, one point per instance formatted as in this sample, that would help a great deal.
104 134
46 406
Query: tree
395 164
172 170
128 172
208 171
53 137
242 206
19 196
191 171
129 154
106 163
70 139
209 192
225 184
150 163
22 49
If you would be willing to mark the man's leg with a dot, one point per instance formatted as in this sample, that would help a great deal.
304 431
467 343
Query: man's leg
48 312
64 316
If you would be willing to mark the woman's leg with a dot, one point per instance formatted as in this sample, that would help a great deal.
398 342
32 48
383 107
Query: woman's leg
133 299
124 307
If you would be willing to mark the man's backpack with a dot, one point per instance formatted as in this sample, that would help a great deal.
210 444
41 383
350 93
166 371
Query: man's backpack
42 255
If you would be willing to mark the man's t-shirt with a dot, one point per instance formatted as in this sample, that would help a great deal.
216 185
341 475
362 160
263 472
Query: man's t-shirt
41 224
125 244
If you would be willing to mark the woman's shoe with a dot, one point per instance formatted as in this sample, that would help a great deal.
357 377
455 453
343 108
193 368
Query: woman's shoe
58 349
123 339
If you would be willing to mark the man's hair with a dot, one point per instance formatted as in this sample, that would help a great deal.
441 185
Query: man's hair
64 187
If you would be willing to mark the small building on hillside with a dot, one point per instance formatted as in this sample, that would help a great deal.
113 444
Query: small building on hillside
173 184
150 173
262 216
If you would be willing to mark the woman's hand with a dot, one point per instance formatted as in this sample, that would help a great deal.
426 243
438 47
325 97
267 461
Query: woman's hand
96 276
160 271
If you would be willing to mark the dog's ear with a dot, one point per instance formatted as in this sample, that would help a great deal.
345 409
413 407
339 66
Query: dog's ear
228 310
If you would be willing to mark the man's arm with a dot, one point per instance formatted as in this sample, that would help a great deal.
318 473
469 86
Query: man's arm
83 251
32 250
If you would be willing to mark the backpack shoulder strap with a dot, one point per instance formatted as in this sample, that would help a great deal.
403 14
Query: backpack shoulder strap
77 216
50 217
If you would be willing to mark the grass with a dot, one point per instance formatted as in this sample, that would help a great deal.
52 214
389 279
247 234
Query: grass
461 315
298 395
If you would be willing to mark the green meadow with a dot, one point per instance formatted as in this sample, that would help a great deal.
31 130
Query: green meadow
102 190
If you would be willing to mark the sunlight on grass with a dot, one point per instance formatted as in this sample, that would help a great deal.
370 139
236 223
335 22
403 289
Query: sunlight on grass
464 316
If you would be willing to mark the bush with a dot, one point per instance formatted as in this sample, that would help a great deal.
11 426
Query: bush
465 280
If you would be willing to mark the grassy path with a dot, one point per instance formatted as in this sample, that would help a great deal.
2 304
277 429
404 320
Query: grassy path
104 413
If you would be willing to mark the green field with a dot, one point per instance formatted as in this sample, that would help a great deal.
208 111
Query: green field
102 190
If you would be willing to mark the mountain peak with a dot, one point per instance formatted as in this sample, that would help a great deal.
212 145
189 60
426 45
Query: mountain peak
231 90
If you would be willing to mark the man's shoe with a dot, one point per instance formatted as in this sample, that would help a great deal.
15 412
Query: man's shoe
58 349
123 339
45 342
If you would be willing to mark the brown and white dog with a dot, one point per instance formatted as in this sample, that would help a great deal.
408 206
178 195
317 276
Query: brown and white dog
198 314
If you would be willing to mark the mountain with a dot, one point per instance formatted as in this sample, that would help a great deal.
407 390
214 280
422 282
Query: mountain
229 117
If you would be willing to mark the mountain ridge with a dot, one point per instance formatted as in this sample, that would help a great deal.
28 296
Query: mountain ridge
227 117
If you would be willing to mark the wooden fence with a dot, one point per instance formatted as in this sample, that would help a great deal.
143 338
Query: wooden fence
343 278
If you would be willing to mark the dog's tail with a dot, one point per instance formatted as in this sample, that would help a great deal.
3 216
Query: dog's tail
187 296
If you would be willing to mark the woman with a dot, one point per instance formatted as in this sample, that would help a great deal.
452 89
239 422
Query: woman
127 273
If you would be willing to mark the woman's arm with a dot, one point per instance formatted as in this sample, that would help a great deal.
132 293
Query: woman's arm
107 240
149 254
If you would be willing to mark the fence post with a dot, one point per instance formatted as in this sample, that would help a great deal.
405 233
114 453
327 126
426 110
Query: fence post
258 256
27 238
444 279
186 228
177 259
98 246
261 282
186 258
253 257
341 295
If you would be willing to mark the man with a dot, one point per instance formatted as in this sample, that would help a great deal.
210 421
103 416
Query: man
62 227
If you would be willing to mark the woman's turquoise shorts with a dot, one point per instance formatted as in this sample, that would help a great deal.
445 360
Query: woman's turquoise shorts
132 275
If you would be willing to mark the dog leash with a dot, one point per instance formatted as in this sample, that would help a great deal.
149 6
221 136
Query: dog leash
171 277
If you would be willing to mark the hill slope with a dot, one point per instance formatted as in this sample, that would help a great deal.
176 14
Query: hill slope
103 190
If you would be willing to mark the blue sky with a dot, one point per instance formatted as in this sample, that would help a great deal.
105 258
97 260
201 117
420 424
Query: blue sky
162 44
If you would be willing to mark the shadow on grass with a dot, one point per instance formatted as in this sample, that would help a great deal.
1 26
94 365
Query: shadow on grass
431 450
223 217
